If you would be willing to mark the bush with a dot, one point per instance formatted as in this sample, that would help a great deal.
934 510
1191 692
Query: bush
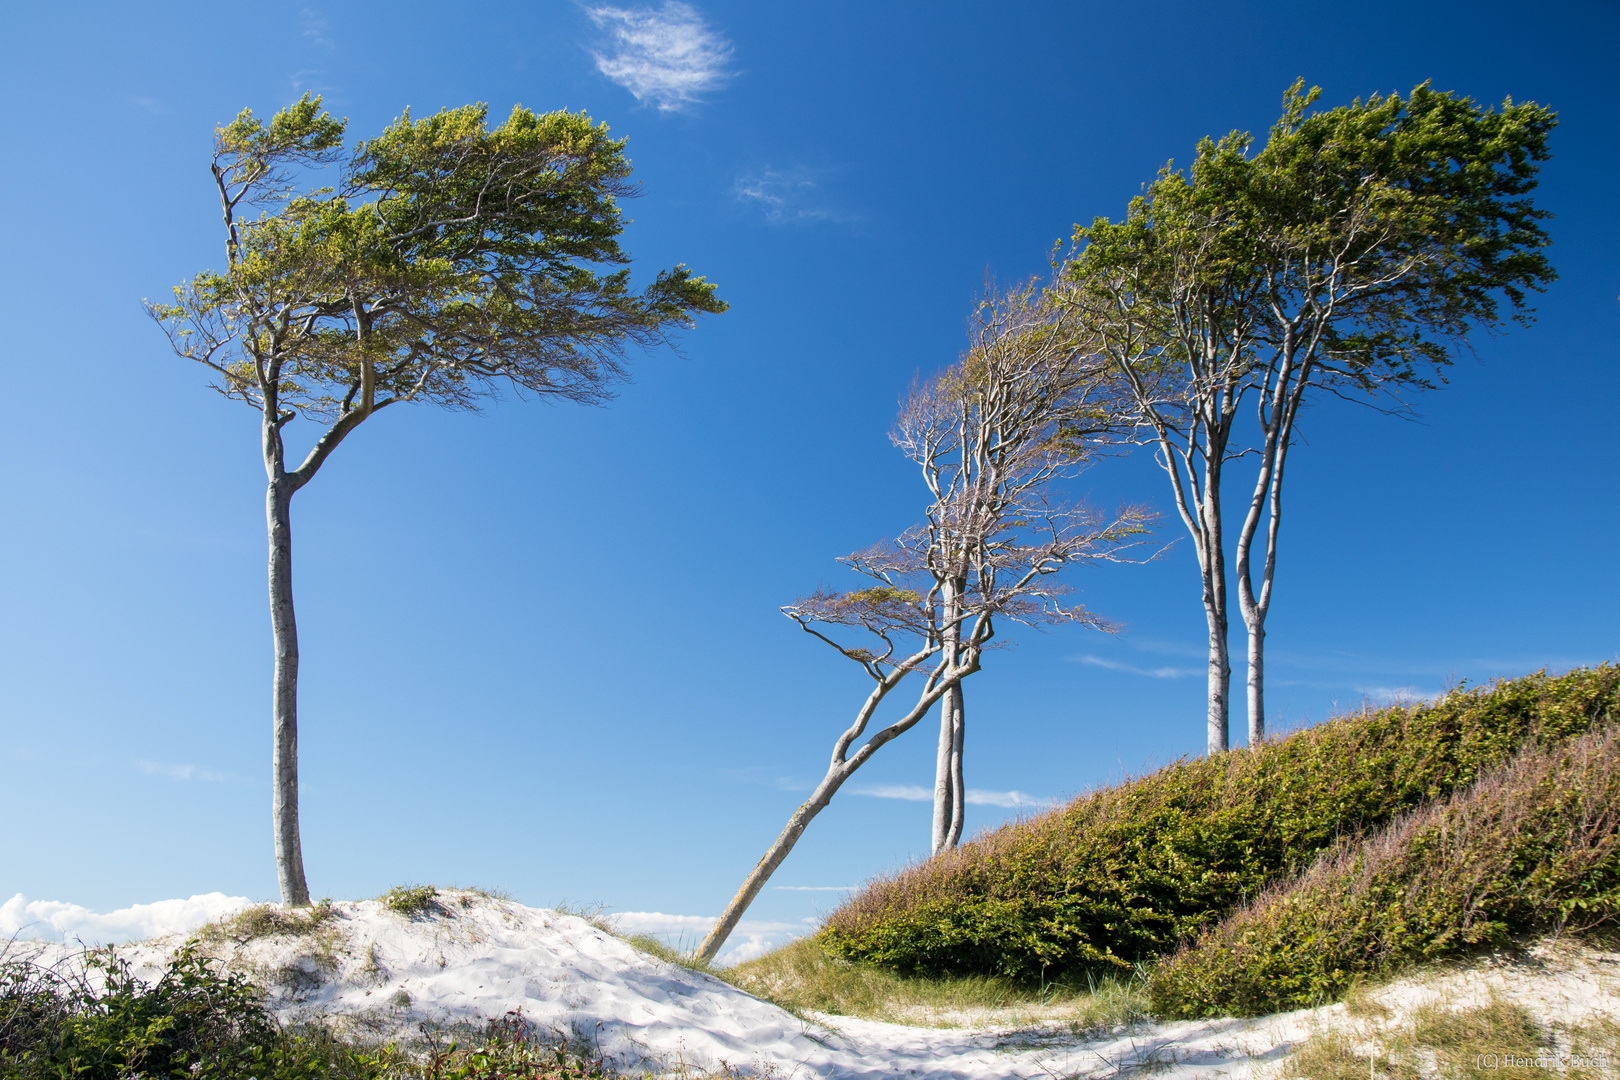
198 1021
411 900
1122 875
1532 847
195 1021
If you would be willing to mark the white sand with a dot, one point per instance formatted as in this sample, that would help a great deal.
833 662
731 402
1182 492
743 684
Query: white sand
380 975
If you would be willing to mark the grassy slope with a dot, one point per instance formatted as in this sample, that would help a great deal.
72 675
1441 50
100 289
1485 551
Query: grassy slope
1533 847
1124 874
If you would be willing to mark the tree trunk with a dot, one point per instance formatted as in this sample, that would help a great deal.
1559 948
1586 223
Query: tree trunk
767 865
1213 558
1257 680
947 773
284 699
958 792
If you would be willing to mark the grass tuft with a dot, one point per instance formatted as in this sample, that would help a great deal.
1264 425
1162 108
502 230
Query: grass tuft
411 900
269 920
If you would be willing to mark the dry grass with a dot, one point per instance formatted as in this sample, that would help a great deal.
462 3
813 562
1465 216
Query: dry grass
268 920
1499 1039
802 977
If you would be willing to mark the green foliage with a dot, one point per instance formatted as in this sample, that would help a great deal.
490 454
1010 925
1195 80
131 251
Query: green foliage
195 1022
450 254
1531 847
1122 875
199 1021
1373 236
411 900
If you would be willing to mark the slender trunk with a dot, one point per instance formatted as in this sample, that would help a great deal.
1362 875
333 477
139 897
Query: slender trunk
769 862
1257 681
842 768
946 804
950 711
958 793
1213 558
284 686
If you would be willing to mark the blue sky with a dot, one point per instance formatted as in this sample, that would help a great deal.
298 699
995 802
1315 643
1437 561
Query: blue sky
542 649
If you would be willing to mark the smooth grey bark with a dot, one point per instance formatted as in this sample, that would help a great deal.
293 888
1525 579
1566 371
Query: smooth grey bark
281 486
284 700
1212 565
948 795
948 792
1281 394
843 766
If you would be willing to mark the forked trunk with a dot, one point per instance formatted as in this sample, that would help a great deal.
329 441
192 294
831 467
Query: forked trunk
284 699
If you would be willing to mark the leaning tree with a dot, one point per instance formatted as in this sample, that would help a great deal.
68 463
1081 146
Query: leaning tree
1026 406
448 259
1351 257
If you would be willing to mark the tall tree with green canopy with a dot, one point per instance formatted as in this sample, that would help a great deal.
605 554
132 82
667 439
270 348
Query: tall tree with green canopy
450 258
1351 257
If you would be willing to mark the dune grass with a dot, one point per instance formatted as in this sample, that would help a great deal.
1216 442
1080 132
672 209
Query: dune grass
803 977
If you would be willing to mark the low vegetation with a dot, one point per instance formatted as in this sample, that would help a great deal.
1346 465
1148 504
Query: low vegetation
1122 876
102 1023
1532 848
803 976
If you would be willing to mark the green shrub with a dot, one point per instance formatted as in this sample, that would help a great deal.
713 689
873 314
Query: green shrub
195 1021
200 1021
1124 874
411 900
1532 847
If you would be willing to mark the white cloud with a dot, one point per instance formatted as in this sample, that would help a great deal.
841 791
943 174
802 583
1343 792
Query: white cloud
816 888
975 796
751 938
1152 673
1394 695
786 195
908 792
189 772
54 920
314 27
666 56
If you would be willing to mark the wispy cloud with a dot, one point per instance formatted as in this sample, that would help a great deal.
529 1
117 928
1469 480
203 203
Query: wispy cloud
150 104
786 196
815 888
189 773
1391 695
1152 673
665 56
55 920
975 796
315 29
753 937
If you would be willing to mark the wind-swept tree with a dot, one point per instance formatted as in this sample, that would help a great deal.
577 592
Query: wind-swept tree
1351 257
1027 405
448 259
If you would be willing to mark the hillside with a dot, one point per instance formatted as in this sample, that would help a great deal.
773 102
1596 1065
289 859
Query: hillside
1125 874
